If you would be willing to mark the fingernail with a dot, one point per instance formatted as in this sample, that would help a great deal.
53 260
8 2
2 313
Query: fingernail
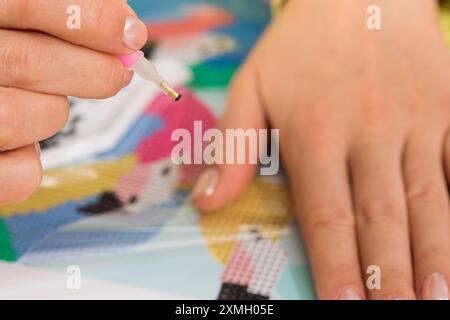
38 148
349 294
135 33
206 184
127 77
435 287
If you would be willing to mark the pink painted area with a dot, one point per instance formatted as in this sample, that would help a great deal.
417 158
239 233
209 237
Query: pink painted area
175 115
130 60
132 183
158 146
238 269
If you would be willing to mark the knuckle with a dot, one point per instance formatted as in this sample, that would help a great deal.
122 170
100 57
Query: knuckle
317 135
317 129
382 211
9 62
345 269
327 218
375 102
375 106
319 143
433 253
16 59
110 78
426 191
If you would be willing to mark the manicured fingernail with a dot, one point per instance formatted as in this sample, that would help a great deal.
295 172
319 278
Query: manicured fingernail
207 183
435 287
135 33
349 294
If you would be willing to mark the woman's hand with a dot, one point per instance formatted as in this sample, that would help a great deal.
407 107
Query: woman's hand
42 61
364 120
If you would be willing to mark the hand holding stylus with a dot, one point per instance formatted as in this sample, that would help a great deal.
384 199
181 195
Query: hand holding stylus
38 70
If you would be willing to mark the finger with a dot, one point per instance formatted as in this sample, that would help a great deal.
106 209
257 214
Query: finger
103 25
221 184
382 218
429 215
20 173
38 62
319 178
27 117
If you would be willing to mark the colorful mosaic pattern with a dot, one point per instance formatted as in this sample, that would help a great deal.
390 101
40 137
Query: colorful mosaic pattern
124 216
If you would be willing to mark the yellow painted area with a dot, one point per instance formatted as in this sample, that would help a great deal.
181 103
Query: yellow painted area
73 183
277 5
265 204
445 19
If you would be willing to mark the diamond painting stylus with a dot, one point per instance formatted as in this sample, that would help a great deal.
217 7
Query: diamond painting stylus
144 68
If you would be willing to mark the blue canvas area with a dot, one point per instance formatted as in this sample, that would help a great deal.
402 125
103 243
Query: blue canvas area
27 230
93 239
162 10
176 201
296 281
144 127
159 215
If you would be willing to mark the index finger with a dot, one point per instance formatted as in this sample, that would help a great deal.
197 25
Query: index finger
110 26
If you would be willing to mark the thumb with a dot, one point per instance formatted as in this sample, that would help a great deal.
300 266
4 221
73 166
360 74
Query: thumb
221 184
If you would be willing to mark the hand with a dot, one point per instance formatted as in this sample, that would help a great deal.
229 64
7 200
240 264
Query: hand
42 62
364 118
